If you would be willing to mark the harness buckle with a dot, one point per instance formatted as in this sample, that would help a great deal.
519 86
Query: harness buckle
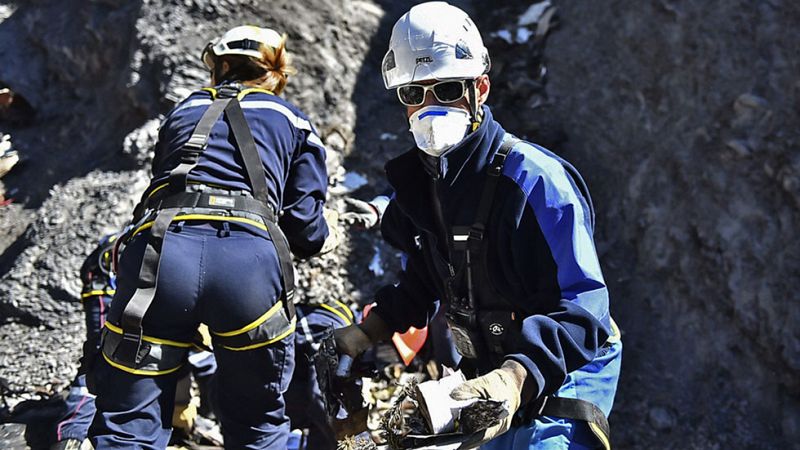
130 347
498 162
196 143
228 91
475 233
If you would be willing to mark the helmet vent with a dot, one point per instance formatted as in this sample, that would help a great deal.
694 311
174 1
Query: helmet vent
462 50
388 62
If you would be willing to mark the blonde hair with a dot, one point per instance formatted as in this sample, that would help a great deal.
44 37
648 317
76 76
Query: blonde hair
271 72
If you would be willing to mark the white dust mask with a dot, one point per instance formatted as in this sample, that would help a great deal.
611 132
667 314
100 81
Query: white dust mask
436 129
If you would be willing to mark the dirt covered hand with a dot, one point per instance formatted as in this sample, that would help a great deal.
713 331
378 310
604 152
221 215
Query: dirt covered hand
351 341
360 213
503 385
356 339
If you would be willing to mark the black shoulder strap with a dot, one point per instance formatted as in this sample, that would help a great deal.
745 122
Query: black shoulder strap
194 147
576 409
225 103
487 197
247 148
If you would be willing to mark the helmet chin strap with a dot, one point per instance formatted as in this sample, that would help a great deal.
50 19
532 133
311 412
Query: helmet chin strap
472 99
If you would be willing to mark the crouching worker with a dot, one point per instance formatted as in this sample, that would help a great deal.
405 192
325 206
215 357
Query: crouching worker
239 179
500 230
304 402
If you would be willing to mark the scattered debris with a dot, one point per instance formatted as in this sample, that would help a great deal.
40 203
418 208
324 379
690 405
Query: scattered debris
352 181
375 264
424 415
14 108
533 13
356 443
523 34
504 35
6 97
8 157
388 137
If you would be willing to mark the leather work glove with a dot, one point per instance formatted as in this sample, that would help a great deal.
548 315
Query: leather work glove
334 233
354 340
503 385
360 213
351 340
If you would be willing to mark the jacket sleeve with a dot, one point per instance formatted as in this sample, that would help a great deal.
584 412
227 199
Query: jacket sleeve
554 260
160 148
396 228
304 196
412 301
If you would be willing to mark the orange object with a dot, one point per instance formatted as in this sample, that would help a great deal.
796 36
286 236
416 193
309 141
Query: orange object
408 343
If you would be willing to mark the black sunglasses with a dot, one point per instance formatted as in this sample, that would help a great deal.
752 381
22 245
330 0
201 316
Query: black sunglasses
444 91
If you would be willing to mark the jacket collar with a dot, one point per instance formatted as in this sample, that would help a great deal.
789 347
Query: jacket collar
410 173
470 156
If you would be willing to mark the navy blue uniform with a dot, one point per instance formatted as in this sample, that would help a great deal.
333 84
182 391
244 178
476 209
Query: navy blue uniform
304 403
98 288
221 271
540 258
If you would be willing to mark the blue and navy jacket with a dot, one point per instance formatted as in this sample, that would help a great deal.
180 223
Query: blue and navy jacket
292 153
540 252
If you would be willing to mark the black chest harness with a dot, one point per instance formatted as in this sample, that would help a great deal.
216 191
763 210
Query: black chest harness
125 346
484 325
482 321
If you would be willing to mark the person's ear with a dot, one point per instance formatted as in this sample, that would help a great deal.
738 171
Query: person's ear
483 85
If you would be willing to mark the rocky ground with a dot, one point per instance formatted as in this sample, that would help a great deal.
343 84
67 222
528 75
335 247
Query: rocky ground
681 115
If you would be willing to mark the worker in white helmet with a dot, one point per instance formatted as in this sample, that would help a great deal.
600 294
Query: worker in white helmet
501 230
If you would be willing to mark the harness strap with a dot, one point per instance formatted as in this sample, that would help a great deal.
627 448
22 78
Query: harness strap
573 408
216 201
287 269
194 147
247 148
476 231
129 347
487 196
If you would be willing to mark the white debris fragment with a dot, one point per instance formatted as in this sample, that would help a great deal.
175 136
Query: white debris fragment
354 180
375 265
523 34
351 182
388 137
5 143
533 13
504 35
439 410
6 12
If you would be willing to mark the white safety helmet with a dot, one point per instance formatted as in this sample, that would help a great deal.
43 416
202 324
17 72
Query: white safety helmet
243 40
434 40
